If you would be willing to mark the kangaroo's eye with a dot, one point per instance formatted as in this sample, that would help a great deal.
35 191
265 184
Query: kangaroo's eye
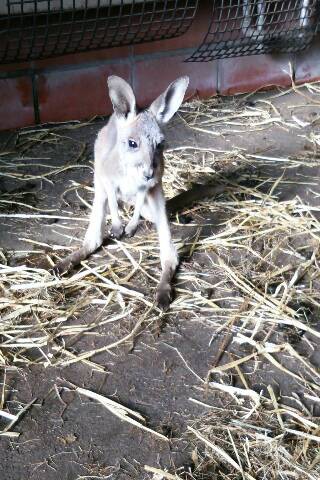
132 143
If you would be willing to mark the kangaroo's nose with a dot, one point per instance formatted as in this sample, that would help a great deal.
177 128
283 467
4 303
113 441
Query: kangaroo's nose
148 175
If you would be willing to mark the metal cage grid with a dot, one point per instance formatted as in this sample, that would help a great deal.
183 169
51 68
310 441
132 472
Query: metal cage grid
36 29
247 27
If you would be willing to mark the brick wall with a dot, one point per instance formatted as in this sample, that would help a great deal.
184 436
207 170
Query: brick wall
74 86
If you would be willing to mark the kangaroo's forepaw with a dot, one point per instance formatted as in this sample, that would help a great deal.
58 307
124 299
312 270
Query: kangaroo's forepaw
164 296
116 231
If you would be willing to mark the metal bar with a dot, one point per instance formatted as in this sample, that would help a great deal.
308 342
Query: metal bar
36 29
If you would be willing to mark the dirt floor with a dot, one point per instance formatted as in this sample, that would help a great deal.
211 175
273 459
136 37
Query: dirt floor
229 376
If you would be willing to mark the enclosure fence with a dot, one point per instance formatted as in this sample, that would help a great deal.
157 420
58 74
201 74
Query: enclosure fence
250 27
36 29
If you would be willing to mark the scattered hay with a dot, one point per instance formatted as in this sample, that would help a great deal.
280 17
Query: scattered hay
269 441
252 276
122 412
13 420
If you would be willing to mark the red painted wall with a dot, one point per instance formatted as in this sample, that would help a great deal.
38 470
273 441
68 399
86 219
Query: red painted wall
74 86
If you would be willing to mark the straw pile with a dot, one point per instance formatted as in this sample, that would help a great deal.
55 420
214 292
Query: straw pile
253 279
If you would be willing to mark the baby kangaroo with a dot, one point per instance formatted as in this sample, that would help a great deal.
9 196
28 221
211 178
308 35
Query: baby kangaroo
128 166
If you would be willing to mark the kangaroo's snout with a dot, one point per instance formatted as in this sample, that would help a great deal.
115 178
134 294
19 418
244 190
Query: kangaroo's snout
148 174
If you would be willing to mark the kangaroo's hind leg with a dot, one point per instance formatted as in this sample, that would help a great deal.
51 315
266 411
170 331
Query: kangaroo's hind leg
95 232
168 252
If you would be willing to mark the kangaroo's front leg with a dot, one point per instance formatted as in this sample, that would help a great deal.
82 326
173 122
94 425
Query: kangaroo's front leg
168 253
133 223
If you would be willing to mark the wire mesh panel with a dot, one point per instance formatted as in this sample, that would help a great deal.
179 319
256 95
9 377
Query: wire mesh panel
34 29
246 27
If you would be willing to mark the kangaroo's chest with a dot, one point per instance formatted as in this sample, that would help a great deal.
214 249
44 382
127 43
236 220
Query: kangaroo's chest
127 188
128 183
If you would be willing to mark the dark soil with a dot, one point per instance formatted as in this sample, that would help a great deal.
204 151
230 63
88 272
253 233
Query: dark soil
65 436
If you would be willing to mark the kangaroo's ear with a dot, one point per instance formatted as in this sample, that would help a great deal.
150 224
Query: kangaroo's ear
122 96
166 105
